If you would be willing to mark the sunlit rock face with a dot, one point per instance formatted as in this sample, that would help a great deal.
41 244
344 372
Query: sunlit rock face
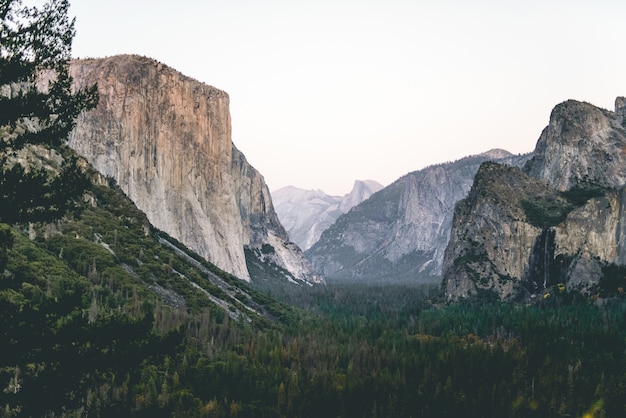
560 221
166 140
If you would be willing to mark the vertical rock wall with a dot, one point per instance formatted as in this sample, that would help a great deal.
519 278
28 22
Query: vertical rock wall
166 140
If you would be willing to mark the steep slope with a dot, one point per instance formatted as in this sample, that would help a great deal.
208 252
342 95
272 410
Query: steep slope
305 214
558 223
166 140
400 233
101 293
112 245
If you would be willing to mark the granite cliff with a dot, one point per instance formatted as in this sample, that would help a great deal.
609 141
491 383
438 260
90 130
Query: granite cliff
166 140
307 213
581 143
557 224
400 232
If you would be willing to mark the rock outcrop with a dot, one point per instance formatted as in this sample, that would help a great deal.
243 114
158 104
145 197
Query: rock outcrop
401 232
305 214
581 143
166 140
493 236
559 222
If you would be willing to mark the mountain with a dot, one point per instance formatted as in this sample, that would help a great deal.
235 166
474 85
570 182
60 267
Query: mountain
400 232
581 143
305 214
556 225
166 141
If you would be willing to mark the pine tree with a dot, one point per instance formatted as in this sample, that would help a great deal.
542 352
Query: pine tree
37 107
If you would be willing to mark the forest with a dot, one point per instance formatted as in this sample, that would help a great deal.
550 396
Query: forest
86 335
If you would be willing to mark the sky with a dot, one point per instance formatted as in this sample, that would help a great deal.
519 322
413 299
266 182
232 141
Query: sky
326 92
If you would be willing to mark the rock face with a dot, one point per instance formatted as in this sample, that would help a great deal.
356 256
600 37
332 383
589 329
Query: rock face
581 142
592 238
400 232
492 238
560 221
166 140
305 214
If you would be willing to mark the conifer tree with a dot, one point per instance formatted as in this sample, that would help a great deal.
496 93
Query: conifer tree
37 107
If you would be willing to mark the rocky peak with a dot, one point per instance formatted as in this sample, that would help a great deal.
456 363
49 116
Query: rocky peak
581 143
361 190
307 213
166 140
495 154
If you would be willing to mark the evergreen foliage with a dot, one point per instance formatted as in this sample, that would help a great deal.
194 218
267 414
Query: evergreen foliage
37 107
96 299
548 211
35 46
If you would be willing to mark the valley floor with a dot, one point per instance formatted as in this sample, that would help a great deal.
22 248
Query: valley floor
84 337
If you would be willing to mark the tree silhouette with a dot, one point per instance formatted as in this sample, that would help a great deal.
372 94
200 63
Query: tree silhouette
37 112
37 107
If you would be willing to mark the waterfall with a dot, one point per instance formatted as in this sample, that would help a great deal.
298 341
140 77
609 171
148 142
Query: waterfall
548 254
546 259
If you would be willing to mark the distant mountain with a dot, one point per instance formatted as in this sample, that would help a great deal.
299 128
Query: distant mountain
559 224
166 141
401 232
305 214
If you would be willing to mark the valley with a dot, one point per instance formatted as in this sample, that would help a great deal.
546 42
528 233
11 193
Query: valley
140 326
147 271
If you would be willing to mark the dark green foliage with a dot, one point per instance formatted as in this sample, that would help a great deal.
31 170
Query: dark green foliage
97 299
583 191
267 249
35 196
55 346
547 211
613 282
38 107
389 351
348 351
6 241
35 41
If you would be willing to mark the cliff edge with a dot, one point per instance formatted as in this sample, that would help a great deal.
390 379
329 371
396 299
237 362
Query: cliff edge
166 140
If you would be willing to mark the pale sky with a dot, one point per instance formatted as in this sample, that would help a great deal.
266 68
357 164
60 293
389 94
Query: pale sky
326 92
